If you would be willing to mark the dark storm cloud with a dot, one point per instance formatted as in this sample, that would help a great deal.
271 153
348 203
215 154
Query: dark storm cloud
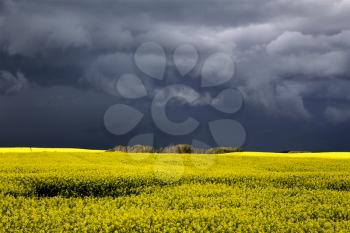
287 53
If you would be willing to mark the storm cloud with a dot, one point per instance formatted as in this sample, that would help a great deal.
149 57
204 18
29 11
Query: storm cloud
291 58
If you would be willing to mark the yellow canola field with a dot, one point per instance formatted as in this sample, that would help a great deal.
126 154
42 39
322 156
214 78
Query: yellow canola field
77 190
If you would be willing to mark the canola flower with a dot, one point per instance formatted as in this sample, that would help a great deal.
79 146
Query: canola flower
53 190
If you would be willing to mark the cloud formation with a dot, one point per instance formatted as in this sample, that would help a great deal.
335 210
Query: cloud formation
287 53
276 40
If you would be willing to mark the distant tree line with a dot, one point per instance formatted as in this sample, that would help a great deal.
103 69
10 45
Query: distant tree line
178 149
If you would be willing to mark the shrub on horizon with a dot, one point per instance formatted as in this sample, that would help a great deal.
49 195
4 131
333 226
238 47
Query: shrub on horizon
223 150
140 149
176 149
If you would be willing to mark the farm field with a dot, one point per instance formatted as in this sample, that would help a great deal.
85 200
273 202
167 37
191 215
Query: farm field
73 190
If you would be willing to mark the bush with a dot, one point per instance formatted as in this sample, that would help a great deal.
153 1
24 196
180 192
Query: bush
140 149
223 150
120 148
179 149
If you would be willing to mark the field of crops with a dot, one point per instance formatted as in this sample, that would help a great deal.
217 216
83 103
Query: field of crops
89 191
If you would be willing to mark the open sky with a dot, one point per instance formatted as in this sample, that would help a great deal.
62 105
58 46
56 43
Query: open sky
61 62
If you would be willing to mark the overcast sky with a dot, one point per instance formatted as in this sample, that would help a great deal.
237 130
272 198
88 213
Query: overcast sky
60 62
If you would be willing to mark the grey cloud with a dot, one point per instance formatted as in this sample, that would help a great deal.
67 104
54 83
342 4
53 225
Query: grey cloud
329 64
105 69
337 90
28 31
12 84
278 100
338 115
297 56
287 52
311 55
183 94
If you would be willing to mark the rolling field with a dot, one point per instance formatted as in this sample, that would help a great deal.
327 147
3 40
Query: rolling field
69 190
